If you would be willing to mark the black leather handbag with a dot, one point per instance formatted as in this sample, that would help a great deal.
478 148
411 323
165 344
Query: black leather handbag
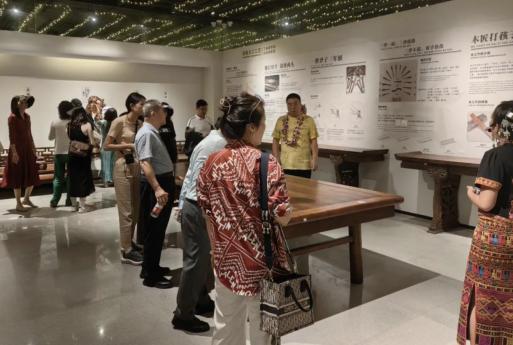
286 302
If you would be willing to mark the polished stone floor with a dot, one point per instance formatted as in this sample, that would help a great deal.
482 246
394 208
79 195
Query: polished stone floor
61 282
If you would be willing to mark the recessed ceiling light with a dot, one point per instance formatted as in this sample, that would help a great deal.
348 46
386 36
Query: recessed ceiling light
94 19
14 10
286 24
212 13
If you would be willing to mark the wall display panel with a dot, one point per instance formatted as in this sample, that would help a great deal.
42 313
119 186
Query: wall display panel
49 93
421 86
490 77
339 96
433 92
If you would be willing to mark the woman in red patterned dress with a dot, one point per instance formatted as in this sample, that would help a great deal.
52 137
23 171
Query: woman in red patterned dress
486 313
21 169
228 193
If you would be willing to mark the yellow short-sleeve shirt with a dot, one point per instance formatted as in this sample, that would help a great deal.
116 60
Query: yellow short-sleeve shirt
296 157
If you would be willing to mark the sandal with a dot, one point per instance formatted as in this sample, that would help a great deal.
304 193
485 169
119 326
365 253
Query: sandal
29 203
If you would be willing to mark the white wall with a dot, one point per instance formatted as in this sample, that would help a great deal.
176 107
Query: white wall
463 17
56 68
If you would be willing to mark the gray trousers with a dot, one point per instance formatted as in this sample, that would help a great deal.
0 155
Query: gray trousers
196 262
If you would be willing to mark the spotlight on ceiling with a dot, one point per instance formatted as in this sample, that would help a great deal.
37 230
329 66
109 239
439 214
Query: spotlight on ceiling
15 11
286 24
212 13
94 19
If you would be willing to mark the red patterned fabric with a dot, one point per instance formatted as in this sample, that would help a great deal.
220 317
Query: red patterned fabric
228 192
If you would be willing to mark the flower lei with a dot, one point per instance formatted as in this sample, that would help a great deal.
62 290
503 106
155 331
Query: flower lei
295 134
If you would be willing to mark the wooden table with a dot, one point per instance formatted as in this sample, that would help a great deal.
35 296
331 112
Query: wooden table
320 206
446 172
346 160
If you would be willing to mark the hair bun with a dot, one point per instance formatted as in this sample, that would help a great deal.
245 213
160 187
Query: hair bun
226 104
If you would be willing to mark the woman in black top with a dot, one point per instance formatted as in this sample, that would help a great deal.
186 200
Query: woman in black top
80 174
486 312
168 134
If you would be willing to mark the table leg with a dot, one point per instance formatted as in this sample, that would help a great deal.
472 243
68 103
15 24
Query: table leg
445 200
355 254
347 173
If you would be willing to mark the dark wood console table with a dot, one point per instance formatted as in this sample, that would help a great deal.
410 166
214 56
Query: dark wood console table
346 160
446 172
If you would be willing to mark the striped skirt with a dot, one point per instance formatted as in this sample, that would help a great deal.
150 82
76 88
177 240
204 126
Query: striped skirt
488 285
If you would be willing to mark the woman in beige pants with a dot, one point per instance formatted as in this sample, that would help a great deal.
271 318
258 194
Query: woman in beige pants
126 174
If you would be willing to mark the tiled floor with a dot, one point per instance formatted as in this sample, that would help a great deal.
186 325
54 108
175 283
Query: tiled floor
62 283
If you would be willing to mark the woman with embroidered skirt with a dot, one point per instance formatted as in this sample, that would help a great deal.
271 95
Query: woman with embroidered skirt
228 193
486 313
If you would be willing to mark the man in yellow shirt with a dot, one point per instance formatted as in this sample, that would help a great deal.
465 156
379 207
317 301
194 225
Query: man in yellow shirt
295 140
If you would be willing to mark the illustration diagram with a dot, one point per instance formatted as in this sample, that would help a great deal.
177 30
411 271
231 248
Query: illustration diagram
398 81
272 83
355 76
476 127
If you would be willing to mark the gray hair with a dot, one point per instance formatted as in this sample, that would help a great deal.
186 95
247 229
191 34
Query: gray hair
151 105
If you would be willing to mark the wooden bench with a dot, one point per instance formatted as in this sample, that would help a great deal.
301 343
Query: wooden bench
44 162
446 172
346 160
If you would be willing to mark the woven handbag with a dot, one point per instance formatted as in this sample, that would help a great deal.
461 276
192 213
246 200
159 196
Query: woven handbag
286 302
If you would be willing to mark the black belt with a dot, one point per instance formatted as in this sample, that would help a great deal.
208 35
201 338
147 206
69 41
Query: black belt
168 174
194 202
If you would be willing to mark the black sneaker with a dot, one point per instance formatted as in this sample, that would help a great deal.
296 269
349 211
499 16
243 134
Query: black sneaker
132 257
137 247
193 325
53 204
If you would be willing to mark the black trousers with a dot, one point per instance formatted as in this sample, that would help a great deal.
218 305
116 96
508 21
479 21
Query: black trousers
298 173
154 228
196 262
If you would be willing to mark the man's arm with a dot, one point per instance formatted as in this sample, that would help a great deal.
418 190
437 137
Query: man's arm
315 154
149 173
276 149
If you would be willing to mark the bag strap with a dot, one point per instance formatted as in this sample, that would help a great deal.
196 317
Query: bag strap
264 206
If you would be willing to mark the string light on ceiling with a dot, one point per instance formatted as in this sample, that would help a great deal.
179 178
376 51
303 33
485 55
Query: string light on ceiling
3 5
222 37
163 25
116 19
196 37
140 3
210 24
170 34
89 19
183 6
66 10
244 8
30 16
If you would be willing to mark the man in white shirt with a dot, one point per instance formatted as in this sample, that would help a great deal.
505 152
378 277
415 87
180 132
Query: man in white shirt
198 127
59 133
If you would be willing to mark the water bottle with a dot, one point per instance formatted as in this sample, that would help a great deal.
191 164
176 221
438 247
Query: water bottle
155 212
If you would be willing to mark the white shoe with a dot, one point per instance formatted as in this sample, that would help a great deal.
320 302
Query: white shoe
83 210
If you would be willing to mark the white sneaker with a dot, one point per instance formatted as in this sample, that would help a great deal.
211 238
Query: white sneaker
83 210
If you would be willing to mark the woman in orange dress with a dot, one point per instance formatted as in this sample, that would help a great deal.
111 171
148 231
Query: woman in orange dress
21 168
486 313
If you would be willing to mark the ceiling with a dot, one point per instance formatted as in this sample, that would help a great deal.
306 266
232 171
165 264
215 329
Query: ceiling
201 24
